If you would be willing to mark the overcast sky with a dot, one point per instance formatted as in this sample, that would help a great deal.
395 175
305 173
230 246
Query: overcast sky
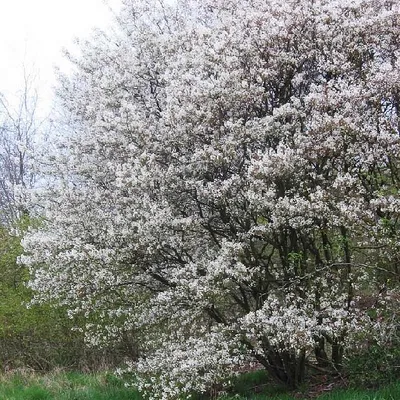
33 32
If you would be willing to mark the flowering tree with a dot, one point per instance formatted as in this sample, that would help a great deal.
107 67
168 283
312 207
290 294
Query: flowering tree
228 185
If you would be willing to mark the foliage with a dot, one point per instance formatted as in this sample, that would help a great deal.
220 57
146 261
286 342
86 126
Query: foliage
226 187
375 361
374 367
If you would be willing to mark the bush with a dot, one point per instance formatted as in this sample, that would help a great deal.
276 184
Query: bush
376 366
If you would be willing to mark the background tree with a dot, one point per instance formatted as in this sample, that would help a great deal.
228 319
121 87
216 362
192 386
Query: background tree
19 129
228 186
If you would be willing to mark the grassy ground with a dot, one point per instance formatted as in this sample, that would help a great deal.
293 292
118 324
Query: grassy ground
64 386
74 386
254 383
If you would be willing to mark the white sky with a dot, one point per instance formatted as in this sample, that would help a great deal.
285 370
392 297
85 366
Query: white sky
33 33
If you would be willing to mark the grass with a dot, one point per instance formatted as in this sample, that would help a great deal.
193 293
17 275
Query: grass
64 386
77 386
252 386
391 392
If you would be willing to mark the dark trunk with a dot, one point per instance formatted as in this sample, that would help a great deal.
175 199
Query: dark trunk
320 353
337 355
285 368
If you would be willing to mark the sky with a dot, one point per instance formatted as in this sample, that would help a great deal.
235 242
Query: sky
34 32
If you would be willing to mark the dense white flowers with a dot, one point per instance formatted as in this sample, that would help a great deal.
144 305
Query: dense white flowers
227 185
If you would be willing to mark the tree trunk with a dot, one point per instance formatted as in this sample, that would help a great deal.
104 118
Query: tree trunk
285 368
337 355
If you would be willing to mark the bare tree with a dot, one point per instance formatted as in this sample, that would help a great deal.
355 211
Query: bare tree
18 127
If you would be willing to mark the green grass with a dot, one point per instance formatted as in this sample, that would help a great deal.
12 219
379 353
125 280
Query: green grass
389 393
64 386
252 387
77 386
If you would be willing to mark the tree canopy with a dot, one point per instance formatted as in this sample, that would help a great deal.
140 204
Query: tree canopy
228 186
